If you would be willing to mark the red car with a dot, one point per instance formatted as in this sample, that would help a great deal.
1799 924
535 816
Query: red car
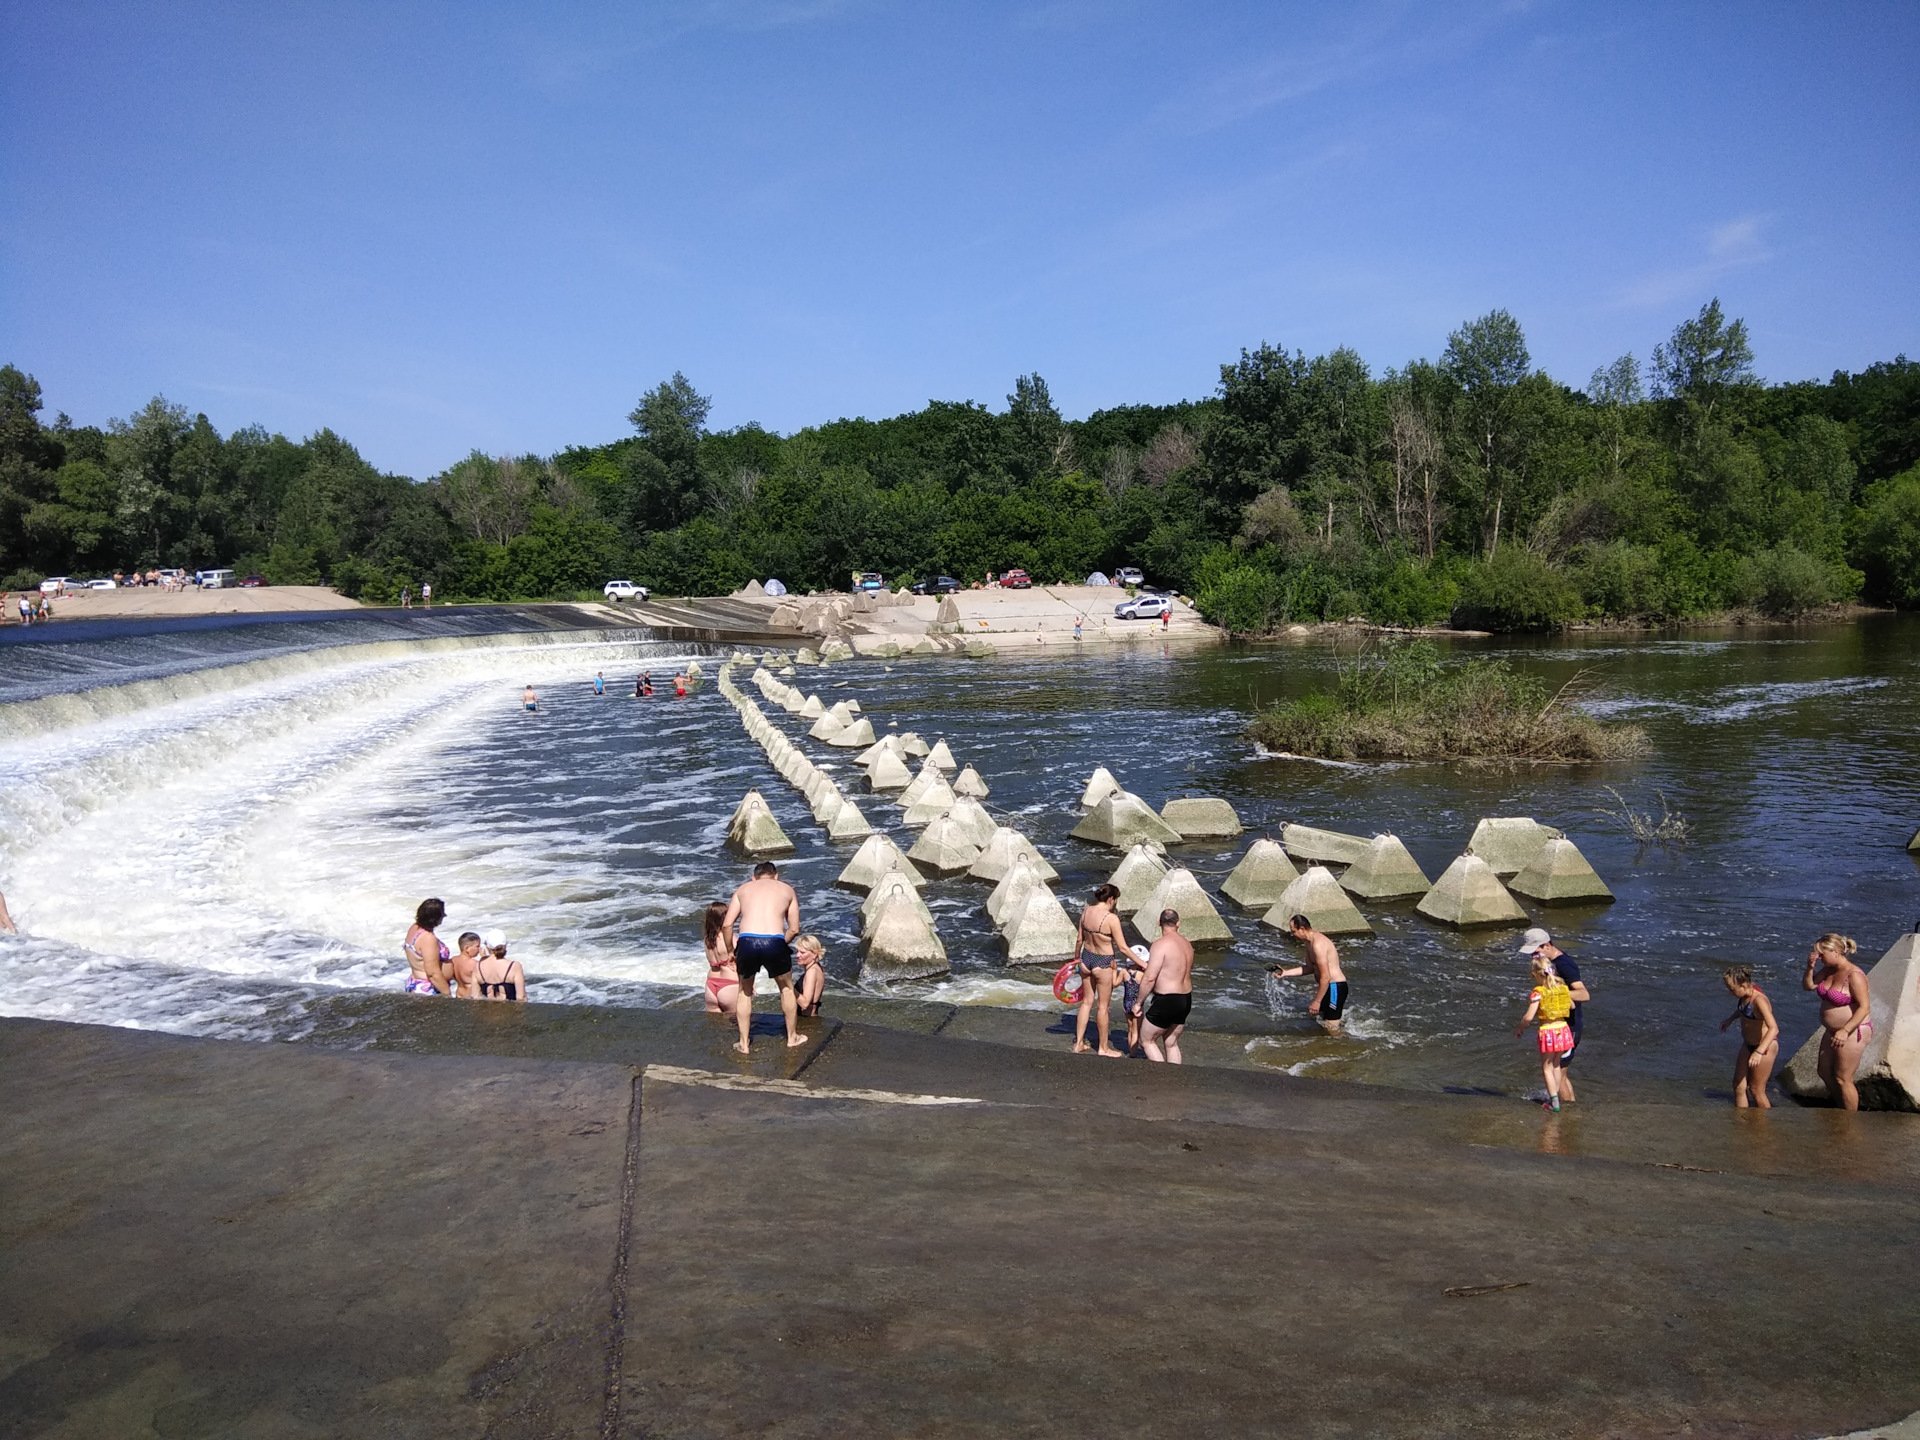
1017 579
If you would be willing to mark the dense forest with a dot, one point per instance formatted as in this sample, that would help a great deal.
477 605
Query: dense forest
1473 489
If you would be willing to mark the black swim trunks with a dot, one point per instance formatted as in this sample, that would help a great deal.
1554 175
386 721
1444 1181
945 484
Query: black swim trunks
1335 1004
754 953
1167 1011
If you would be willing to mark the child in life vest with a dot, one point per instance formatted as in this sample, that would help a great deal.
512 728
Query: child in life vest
1550 1002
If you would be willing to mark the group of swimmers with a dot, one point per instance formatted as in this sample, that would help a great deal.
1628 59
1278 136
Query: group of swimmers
759 929
479 970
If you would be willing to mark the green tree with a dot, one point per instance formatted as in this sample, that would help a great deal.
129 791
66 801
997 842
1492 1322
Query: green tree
664 472
1487 359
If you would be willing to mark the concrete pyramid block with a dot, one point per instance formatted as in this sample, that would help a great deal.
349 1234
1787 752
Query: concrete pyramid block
860 732
941 756
919 785
1560 875
889 888
1139 872
887 771
945 846
1178 890
827 726
846 822
1322 847
1914 844
947 612
1889 1073
1011 890
794 703
1386 872
1002 848
912 744
758 833
877 855
901 944
934 801
786 669
811 708
1469 893
1039 930
1123 820
806 655
1100 785
694 672
885 742
1509 843
1199 818
968 785
842 710
750 803
1261 877
973 820
1318 896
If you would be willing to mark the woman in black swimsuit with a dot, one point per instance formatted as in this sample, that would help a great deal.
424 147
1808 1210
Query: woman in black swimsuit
499 977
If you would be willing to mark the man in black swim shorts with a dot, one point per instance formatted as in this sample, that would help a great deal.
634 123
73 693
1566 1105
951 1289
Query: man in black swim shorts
1330 991
768 915
1167 990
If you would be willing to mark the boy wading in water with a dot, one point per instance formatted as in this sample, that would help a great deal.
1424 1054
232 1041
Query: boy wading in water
768 914
1330 981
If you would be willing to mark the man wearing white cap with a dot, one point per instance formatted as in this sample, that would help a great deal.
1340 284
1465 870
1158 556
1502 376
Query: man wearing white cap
1539 942
499 977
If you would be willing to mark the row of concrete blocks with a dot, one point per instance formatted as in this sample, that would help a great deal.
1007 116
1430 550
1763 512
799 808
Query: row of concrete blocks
752 827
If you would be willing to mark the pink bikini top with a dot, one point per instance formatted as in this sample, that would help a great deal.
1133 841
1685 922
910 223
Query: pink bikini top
1837 996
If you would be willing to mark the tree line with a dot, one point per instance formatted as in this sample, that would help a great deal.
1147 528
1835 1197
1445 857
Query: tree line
1472 489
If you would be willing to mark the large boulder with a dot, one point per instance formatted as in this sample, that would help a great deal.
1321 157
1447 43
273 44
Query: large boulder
1199 921
1889 1073
1002 848
1137 875
1322 847
877 854
1509 843
1560 875
1100 785
1039 930
1469 893
1200 818
945 846
1261 877
1385 872
968 785
902 944
1123 820
1318 896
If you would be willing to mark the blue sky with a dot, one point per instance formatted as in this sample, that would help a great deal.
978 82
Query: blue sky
439 228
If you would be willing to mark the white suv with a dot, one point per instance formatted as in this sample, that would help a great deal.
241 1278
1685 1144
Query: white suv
624 590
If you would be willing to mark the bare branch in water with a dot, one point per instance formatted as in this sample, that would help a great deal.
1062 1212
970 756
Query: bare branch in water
1670 828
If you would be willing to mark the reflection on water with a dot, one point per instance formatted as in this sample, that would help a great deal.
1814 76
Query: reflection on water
213 851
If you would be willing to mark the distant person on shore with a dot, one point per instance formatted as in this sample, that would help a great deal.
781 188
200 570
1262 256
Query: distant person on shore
461 968
426 956
1846 1013
1539 942
1550 1002
426 594
1759 1038
500 978
723 980
1329 1004
26 609
599 682
406 597
1166 991
6 920
809 975
1101 940
1079 621
528 699
764 913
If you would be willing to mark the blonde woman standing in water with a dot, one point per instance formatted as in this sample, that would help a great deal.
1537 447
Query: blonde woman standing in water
1846 1013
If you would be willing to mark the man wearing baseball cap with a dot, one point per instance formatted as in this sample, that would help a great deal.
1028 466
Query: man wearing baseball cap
1539 942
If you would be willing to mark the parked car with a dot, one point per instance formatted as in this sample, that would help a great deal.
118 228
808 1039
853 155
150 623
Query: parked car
935 585
1017 579
624 590
871 580
102 584
253 582
56 585
214 579
1129 575
1147 606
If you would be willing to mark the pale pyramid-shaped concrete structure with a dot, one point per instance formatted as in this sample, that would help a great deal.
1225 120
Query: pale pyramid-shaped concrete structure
912 744
1914 844
758 833
853 705
918 785
1123 820
1200 818
1100 785
974 822
901 944
1469 893
885 742
941 756
876 855
751 802
1261 877
890 887
842 710
1038 930
1509 843
1142 868
786 669
811 708
806 655
694 672
1318 847
846 822
1178 890
754 590
969 785
1011 890
887 771
934 801
998 854
793 702
827 726
1560 875
1386 872
1318 896
1888 1076
945 846
860 732
947 612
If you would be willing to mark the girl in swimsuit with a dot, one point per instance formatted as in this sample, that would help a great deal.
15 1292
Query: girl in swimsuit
809 975
426 956
1552 1002
723 980
1759 1039
1846 1011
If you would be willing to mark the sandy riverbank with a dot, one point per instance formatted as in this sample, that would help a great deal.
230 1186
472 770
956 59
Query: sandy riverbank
149 601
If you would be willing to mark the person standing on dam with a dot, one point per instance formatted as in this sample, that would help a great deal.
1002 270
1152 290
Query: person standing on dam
766 913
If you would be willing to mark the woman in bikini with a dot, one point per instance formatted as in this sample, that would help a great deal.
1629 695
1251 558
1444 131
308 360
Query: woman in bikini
1759 1038
496 977
723 981
1846 1013
809 975
1101 939
426 957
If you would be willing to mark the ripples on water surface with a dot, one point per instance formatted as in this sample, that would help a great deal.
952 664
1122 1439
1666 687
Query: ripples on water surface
248 825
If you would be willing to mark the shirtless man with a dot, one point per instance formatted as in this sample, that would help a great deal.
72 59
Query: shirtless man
1166 991
1101 939
767 913
1330 994
464 967
528 699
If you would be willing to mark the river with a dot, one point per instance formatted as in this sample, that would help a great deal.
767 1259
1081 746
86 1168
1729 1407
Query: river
215 830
